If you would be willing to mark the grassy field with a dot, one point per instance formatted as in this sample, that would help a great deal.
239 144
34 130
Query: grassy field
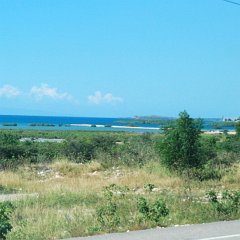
106 193
69 195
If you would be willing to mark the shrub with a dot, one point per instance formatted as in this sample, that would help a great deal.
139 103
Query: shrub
84 150
208 149
6 209
112 189
136 152
205 173
226 204
152 211
14 153
104 143
231 144
7 189
180 147
149 187
8 138
107 215
79 151
238 129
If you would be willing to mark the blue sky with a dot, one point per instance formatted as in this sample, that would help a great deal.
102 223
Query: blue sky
119 58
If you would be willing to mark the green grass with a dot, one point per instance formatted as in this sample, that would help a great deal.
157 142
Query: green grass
7 189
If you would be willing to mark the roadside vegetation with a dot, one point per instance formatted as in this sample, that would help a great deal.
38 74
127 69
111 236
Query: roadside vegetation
98 182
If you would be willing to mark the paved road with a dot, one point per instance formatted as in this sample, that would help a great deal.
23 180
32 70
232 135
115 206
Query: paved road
211 231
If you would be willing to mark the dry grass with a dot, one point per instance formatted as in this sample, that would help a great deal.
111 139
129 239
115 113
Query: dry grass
70 169
91 177
232 178
69 194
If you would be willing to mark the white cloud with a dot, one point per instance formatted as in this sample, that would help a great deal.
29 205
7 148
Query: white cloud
45 91
100 98
9 91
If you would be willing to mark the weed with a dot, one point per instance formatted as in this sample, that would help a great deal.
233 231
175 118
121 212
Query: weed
226 204
6 209
149 187
7 190
152 211
112 189
107 215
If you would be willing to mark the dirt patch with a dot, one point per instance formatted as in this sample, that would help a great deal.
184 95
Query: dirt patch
16 196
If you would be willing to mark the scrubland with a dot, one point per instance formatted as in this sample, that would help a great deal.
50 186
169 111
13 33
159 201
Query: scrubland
95 183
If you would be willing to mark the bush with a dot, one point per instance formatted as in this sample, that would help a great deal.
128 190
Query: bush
152 211
238 129
9 148
14 153
107 215
84 150
104 143
136 151
6 209
180 148
226 204
208 149
207 172
149 187
7 138
78 151
7 189
231 144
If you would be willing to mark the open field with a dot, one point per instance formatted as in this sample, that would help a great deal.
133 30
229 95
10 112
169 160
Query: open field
69 195
80 194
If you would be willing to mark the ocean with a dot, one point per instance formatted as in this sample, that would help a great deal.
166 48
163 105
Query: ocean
64 123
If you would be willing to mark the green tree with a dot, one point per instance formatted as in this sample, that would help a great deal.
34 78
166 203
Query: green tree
180 148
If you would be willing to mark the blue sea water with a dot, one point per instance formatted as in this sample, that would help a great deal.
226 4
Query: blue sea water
62 123
19 119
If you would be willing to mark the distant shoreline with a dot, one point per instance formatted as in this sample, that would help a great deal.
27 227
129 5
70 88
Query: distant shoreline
210 126
114 126
216 132
208 132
